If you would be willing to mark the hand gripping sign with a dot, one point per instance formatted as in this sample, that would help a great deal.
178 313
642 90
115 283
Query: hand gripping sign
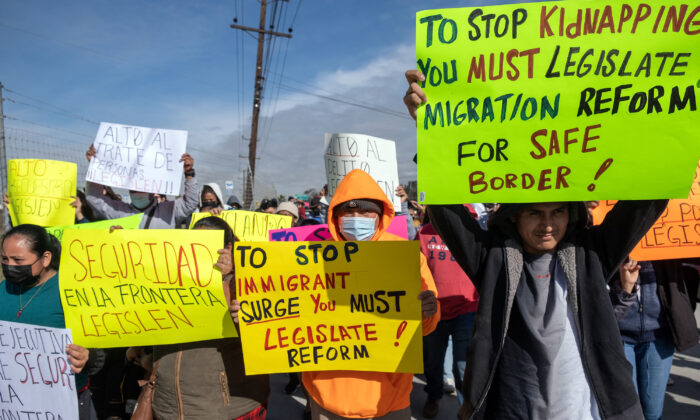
558 101
329 306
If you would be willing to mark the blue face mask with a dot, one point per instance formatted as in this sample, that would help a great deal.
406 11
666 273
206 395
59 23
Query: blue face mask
140 200
357 228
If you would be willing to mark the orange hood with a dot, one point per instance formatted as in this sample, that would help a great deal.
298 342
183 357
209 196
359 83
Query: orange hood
358 184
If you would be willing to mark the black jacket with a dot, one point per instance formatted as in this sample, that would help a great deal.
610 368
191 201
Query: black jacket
494 261
677 290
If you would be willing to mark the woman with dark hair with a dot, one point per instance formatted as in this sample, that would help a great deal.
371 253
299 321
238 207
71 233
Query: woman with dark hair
206 380
30 294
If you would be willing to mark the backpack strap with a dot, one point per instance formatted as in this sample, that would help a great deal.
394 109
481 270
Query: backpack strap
151 212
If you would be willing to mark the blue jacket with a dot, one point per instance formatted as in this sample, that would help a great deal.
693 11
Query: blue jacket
641 317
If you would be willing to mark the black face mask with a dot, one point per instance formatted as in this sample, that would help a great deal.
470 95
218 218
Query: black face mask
20 275
211 204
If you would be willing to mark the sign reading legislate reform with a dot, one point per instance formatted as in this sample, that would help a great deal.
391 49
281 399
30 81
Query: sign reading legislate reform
329 306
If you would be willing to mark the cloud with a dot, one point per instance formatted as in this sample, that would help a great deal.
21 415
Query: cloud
292 155
291 135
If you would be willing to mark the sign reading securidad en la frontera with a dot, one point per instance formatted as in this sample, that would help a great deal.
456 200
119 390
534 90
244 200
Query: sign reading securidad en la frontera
329 306
558 101
143 287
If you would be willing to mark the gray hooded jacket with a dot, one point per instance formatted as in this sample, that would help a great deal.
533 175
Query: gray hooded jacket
167 215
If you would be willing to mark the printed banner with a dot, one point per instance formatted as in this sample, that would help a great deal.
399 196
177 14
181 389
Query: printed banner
558 101
40 191
130 222
37 382
143 287
249 225
377 157
675 235
320 232
309 306
138 158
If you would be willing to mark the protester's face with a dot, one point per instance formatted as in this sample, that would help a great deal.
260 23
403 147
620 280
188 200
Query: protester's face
140 199
361 213
541 226
271 210
16 251
210 199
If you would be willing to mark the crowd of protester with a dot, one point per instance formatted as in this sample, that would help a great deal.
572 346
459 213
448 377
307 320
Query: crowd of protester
541 314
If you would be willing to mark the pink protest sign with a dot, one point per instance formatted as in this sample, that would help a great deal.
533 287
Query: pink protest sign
321 233
398 227
301 233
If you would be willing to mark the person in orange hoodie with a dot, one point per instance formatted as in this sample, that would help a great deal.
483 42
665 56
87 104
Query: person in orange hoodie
360 211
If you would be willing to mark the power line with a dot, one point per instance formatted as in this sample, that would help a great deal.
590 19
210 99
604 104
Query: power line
52 127
329 98
36 133
295 15
334 94
55 111
110 57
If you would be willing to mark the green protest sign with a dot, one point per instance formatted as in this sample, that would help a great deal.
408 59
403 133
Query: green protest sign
129 222
558 101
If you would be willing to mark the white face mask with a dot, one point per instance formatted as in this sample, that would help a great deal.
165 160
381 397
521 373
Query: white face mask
140 200
357 228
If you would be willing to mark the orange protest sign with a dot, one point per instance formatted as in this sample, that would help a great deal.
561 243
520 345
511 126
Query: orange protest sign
676 234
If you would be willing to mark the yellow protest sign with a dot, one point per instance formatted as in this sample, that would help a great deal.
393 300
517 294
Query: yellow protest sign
249 225
40 191
142 287
129 222
309 306
558 101
675 235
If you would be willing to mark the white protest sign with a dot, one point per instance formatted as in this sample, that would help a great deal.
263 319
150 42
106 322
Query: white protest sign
345 152
138 158
35 378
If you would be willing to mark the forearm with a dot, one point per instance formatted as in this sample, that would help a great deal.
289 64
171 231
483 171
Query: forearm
105 207
185 205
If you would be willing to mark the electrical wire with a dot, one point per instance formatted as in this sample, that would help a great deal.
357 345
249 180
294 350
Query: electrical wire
7 117
358 105
64 113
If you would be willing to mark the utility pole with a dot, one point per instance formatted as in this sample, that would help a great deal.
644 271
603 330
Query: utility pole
3 159
257 96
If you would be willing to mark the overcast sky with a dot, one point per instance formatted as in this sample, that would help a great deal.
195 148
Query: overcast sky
177 64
